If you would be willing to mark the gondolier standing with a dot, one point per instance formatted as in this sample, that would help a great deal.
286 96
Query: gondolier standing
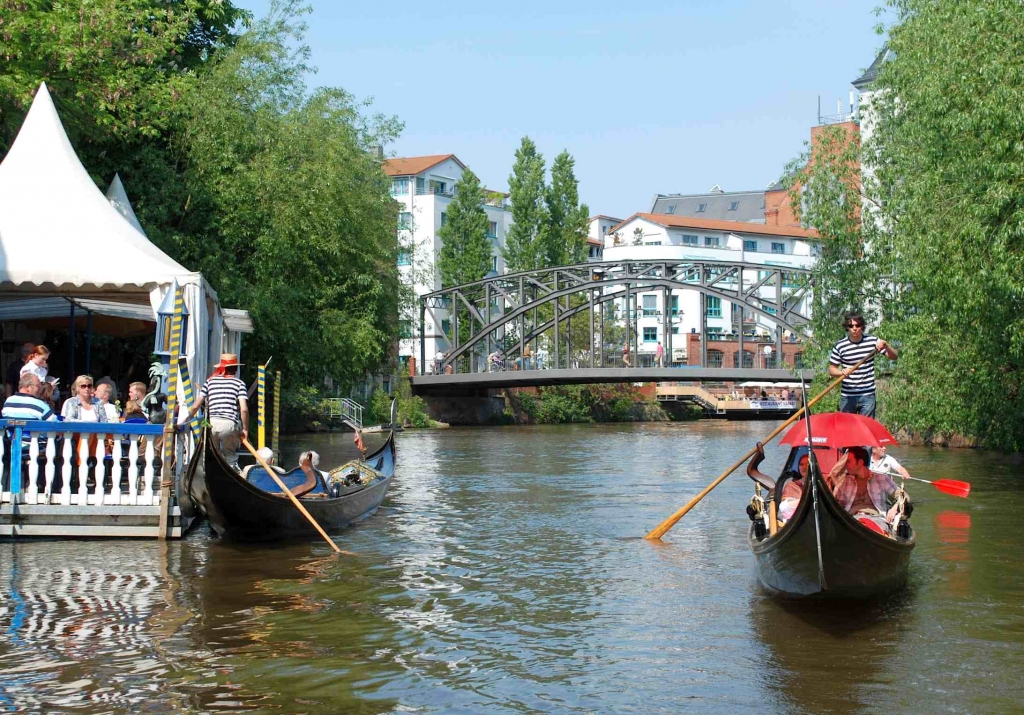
228 408
858 392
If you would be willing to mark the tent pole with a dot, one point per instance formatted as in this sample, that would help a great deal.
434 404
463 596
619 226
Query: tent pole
71 346
88 341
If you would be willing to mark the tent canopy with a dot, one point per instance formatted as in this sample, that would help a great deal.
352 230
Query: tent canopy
58 232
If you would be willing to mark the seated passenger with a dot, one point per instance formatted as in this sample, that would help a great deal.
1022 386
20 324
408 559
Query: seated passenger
863 494
794 489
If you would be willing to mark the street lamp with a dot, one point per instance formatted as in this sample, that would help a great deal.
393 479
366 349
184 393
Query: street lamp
767 355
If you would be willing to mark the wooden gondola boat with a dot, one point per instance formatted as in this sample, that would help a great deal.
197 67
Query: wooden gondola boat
858 562
254 509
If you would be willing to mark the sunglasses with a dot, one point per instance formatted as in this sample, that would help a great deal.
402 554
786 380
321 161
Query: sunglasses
87 387
855 326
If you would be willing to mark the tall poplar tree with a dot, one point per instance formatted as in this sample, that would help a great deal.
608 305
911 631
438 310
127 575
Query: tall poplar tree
565 236
465 249
523 242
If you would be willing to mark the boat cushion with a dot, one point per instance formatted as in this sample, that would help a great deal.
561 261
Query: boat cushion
258 477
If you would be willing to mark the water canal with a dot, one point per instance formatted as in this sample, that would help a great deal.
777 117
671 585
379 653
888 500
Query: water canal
506 571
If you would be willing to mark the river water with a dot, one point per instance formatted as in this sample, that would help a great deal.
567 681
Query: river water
506 570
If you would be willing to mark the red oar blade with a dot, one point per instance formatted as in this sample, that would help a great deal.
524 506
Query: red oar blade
953 487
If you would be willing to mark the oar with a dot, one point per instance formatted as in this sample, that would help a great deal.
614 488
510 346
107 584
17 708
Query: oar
815 478
664 526
286 490
952 487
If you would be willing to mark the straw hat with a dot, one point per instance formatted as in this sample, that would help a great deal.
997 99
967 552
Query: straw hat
228 360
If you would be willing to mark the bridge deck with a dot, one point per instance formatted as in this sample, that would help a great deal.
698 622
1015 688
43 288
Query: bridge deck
475 382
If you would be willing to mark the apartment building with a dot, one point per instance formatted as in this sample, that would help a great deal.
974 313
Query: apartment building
424 186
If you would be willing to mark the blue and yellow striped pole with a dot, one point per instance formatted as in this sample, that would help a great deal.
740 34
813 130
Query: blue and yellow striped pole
172 400
190 397
276 440
261 410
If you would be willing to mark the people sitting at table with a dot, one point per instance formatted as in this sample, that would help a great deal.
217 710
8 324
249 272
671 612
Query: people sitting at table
103 392
83 406
865 495
25 404
133 413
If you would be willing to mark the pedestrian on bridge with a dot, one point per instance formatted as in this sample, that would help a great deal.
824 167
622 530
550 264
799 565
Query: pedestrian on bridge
625 355
659 354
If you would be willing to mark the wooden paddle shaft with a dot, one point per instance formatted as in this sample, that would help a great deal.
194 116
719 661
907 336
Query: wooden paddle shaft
664 526
296 502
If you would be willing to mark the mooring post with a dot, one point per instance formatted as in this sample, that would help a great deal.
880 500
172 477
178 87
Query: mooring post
172 402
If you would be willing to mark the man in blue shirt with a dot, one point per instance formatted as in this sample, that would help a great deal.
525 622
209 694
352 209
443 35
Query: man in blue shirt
26 405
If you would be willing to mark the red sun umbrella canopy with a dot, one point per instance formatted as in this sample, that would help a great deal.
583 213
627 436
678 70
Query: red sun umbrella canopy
840 429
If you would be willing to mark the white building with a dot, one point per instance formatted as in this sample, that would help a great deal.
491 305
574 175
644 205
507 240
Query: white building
597 231
663 237
424 186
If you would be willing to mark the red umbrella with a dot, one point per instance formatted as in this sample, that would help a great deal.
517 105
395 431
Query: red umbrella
839 429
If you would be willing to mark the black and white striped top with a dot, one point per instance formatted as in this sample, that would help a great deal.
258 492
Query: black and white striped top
847 354
221 395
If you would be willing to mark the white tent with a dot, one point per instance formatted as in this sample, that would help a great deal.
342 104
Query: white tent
118 198
60 236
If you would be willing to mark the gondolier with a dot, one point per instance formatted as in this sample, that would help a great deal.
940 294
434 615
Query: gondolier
228 406
858 391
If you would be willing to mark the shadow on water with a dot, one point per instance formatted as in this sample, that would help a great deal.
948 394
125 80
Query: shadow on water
831 656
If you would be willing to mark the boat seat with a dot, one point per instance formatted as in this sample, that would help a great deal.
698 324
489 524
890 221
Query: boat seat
296 481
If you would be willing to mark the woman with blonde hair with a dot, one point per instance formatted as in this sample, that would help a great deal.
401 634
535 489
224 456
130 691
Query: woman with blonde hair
83 406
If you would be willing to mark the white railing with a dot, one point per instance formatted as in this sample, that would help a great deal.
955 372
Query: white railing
68 463
344 409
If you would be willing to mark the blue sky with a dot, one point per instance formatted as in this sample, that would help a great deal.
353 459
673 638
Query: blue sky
647 97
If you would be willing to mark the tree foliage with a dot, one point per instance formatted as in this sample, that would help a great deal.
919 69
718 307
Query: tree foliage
523 250
465 250
939 258
565 235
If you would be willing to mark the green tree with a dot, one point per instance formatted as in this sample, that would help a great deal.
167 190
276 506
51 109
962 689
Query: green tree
290 214
523 249
465 249
948 160
565 236
116 71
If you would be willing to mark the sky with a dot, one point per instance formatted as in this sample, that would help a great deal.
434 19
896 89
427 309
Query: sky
647 97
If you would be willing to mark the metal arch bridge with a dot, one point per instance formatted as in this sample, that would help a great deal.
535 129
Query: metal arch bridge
512 311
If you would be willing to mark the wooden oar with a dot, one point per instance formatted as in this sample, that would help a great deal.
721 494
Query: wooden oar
664 526
296 502
952 487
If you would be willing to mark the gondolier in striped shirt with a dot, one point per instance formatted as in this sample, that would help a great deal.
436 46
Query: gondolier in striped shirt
227 406
858 392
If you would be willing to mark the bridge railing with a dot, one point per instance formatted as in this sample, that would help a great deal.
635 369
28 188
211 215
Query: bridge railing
84 464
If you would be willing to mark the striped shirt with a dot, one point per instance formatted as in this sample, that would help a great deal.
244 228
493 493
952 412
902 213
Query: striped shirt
221 394
847 354
26 407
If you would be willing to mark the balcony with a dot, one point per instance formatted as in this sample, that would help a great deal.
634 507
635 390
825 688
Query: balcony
435 191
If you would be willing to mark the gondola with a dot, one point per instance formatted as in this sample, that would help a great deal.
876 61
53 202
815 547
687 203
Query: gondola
858 563
254 509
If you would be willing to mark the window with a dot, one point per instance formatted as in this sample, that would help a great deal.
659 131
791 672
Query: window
750 246
653 243
675 305
748 358
768 309
701 208
404 259
690 239
399 187
715 334
712 241
714 305
670 209
404 329
734 205
714 358
650 335
492 229
650 306
798 360
494 263
778 247
675 330
405 220
421 184
446 326
444 218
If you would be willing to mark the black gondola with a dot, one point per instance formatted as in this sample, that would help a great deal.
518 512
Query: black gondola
858 563
240 509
